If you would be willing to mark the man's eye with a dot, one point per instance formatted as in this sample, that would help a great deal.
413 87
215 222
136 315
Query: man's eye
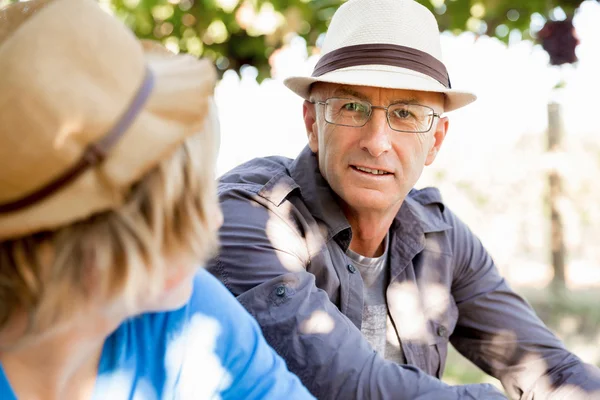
355 107
402 113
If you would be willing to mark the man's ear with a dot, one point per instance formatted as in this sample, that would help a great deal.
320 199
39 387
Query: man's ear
439 136
309 112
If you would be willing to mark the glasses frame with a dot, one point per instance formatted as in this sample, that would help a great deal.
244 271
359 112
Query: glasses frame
387 113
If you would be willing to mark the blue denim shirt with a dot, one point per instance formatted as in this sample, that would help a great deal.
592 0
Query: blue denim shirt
283 247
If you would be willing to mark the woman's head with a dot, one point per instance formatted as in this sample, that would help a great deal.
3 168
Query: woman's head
107 192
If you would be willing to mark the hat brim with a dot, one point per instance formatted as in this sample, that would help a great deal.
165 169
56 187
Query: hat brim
383 76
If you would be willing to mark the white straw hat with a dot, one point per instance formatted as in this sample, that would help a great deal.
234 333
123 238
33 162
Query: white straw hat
383 43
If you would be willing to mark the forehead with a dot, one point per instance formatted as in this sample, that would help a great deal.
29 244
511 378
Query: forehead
378 95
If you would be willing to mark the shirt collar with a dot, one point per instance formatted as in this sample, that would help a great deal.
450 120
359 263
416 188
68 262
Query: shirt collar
426 207
318 196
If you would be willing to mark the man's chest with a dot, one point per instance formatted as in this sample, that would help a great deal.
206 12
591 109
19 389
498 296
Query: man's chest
418 297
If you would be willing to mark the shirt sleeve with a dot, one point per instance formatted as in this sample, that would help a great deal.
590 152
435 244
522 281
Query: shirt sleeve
320 344
254 370
500 332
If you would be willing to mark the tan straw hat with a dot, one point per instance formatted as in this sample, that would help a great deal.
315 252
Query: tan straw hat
383 43
86 110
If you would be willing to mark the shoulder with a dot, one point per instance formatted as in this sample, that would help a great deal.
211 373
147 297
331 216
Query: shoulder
255 200
215 338
231 323
430 208
188 350
442 226
262 180
211 298
256 172
429 196
242 361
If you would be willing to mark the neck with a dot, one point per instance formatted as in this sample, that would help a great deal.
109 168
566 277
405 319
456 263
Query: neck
369 229
63 365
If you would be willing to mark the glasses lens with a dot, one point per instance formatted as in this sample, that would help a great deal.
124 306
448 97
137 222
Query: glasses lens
410 117
347 112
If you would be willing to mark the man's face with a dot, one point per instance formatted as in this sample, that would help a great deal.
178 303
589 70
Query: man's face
344 152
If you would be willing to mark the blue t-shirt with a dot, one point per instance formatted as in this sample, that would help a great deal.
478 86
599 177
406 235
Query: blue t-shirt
209 349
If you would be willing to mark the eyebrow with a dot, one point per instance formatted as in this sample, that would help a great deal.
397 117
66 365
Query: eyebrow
407 100
344 91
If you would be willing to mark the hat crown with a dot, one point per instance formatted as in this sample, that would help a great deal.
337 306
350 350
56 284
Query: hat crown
398 22
392 44
67 81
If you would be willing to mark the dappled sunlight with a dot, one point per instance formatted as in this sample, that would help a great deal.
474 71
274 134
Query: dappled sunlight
282 236
411 312
507 341
405 306
117 385
319 322
533 370
437 301
435 247
294 244
201 369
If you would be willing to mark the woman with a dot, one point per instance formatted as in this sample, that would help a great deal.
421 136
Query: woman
107 203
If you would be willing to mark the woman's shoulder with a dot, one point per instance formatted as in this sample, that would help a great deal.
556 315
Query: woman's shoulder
179 350
209 300
210 346
211 311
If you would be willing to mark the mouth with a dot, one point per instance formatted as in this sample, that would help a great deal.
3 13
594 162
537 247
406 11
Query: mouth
370 171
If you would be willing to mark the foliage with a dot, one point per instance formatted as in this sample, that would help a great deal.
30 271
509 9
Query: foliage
239 32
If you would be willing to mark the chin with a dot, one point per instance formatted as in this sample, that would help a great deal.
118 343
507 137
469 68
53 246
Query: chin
367 199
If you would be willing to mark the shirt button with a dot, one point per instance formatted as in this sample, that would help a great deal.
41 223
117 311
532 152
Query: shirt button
280 291
351 268
442 331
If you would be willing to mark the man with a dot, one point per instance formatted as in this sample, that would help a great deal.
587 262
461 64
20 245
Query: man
358 280
106 141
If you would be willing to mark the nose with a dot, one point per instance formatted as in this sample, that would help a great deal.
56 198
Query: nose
376 135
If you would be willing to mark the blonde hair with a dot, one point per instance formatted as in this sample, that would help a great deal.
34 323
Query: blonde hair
109 256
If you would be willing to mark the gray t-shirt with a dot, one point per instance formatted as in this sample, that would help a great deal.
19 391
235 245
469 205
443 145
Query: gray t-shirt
377 326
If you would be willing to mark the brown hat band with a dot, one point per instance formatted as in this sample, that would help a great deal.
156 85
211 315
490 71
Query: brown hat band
94 153
383 54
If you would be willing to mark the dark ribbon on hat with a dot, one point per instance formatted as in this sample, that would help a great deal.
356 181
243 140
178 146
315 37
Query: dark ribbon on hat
383 54
94 154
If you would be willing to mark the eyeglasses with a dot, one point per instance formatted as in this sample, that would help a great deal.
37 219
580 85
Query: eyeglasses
401 117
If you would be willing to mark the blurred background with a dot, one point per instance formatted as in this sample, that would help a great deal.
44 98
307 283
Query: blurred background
521 166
